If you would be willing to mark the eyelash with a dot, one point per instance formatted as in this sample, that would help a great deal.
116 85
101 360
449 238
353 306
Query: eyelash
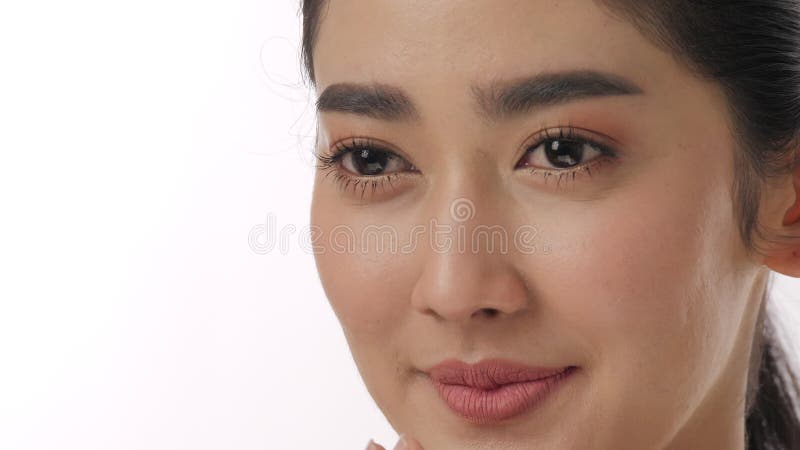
331 163
571 134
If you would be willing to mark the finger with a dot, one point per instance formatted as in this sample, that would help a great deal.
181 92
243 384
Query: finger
407 443
371 445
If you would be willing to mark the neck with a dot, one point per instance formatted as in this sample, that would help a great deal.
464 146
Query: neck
719 422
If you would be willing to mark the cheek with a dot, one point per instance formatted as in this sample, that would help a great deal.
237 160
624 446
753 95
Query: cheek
634 273
365 279
645 278
369 292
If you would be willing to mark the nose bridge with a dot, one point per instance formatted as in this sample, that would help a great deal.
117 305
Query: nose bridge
467 267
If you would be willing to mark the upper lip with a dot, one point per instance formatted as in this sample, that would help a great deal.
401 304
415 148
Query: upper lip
489 373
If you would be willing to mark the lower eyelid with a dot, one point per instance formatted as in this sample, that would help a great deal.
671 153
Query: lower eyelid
589 169
352 184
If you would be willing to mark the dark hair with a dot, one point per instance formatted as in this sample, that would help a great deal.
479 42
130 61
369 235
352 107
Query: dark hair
751 48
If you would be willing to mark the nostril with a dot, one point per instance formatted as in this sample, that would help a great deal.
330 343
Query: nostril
489 312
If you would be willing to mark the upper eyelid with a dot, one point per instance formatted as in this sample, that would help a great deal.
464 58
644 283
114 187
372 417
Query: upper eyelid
607 143
348 145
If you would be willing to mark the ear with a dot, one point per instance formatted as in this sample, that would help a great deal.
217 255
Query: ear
784 258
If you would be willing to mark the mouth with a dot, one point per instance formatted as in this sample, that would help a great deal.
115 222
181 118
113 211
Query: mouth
494 390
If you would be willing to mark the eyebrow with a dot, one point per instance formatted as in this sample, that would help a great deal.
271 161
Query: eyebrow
498 100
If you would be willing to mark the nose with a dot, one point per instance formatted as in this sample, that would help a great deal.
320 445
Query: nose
476 279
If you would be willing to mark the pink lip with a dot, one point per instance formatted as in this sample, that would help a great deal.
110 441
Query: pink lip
494 390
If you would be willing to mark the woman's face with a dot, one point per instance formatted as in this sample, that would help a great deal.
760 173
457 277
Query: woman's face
612 195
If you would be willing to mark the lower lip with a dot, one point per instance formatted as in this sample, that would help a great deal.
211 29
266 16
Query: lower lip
481 406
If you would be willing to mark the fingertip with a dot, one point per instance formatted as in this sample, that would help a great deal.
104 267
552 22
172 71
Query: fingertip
371 445
407 443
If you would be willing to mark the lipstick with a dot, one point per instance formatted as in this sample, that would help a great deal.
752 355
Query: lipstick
494 390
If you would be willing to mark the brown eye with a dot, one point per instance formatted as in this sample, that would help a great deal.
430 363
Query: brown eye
362 166
368 161
560 154
565 155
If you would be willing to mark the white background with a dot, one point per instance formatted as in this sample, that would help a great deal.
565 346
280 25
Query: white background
140 144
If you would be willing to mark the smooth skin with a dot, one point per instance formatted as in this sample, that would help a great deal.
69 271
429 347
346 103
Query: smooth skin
641 278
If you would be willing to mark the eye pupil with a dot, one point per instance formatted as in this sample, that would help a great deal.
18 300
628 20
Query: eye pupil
563 154
370 162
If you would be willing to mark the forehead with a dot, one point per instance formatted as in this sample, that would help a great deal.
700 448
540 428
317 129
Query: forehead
468 42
